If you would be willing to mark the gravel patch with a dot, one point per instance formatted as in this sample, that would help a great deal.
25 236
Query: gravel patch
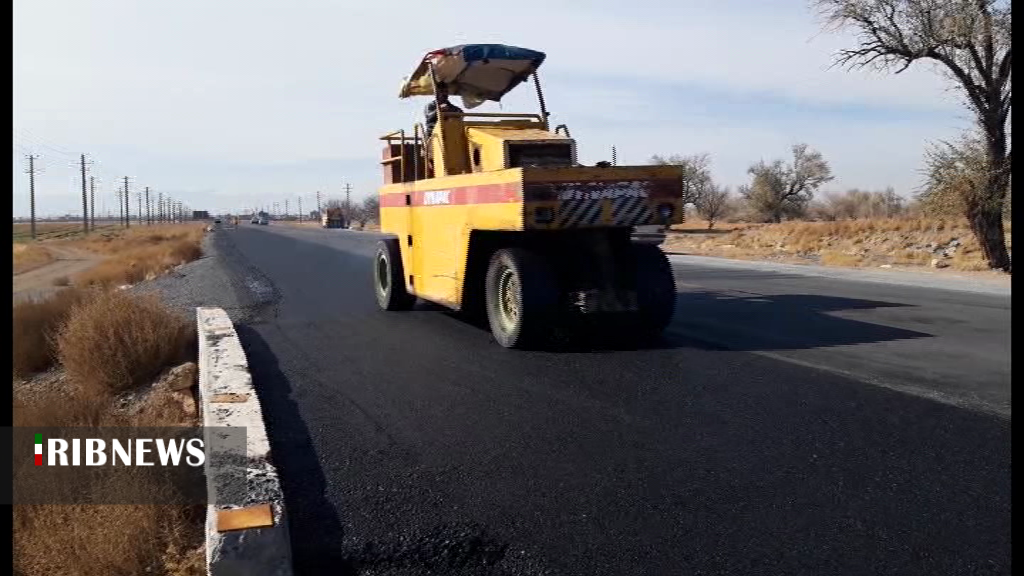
222 278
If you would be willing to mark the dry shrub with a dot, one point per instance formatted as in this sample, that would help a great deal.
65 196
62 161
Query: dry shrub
101 540
30 256
835 258
108 540
118 340
909 241
138 263
139 253
36 324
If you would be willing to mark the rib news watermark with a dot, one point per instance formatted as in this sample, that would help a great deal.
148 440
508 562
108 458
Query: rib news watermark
124 465
139 452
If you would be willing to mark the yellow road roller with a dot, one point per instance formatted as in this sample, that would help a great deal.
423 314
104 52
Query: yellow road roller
490 213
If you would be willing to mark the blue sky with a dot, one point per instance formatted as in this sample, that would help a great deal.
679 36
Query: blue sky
231 104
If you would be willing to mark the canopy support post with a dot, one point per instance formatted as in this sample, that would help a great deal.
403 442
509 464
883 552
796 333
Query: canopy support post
540 96
439 126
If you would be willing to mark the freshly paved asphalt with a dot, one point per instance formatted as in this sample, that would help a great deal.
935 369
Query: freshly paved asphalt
787 425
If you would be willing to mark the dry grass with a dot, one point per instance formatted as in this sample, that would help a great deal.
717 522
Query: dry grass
22 232
116 341
121 332
29 257
110 540
139 253
866 242
834 258
36 325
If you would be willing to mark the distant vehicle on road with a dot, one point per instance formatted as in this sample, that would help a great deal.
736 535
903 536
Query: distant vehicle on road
216 220
263 220
333 218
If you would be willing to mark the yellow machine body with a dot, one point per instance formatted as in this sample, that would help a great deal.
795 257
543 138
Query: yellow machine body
507 173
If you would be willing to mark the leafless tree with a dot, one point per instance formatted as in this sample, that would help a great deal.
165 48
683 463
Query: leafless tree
854 204
370 210
970 40
713 204
779 189
696 173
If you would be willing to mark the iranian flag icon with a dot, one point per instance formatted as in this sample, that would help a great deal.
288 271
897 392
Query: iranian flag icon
39 449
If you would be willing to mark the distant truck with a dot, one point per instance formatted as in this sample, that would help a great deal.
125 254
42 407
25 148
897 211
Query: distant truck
333 218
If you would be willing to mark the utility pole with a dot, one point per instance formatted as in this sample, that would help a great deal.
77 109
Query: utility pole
32 193
85 200
614 157
138 195
92 202
348 204
149 209
160 206
127 211
300 209
285 208
318 208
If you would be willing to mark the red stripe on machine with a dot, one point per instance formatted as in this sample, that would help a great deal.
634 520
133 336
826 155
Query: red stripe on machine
484 194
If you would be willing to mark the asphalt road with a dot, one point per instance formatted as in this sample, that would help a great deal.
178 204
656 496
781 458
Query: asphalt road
787 425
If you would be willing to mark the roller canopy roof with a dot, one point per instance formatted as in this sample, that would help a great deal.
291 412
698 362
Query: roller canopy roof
475 72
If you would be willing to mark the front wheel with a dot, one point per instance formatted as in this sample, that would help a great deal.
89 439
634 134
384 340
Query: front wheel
521 298
389 279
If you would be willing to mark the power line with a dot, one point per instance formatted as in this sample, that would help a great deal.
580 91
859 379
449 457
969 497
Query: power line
85 200
92 202
127 210
32 192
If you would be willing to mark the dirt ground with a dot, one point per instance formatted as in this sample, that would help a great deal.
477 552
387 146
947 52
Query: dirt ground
41 281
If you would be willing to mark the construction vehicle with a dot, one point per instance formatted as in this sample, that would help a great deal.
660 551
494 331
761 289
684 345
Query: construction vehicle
491 214
333 218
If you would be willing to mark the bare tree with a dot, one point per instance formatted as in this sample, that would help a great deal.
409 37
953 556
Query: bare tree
970 39
779 189
713 204
854 204
370 210
696 173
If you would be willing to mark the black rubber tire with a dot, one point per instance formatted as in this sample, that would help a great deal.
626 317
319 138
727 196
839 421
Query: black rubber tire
389 277
656 290
537 292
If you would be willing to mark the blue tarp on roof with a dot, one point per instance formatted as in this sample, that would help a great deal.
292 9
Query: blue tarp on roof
476 52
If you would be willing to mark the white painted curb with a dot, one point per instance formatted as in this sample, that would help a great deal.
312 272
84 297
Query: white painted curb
229 400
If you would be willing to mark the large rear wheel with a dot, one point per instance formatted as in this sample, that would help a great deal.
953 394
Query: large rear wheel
522 298
389 279
656 290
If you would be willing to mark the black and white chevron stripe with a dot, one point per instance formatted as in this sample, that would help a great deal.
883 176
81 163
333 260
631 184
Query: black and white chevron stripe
586 213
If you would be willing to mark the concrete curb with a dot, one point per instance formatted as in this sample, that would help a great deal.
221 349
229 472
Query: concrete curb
246 524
